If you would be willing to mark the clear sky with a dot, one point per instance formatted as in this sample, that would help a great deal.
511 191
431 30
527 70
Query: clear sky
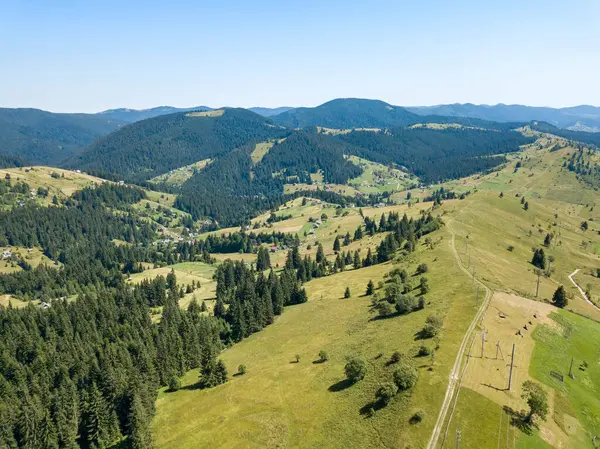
87 56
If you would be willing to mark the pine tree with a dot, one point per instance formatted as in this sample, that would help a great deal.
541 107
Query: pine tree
320 254
560 297
357 263
336 243
347 239
370 288
347 293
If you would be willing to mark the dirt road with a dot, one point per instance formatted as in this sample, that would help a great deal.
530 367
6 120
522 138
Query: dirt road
455 376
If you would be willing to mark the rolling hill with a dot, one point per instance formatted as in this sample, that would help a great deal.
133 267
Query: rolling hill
41 137
135 115
345 113
145 149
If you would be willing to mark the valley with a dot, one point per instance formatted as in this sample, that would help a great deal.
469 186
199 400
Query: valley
248 265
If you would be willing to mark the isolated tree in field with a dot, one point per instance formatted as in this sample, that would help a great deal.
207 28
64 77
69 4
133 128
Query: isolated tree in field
405 376
347 293
526 205
560 297
548 240
370 288
433 325
537 400
241 370
522 200
422 268
323 356
336 243
539 258
355 369
584 226
297 357
386 393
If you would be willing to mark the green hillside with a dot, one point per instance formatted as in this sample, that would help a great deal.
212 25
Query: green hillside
145 149
41 137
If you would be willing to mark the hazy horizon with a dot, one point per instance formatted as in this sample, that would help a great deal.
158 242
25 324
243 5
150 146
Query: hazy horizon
69 56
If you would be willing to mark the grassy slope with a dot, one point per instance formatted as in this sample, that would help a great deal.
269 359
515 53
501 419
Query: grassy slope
283 404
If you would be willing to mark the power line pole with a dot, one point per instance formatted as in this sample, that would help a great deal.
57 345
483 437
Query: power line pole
477 297
473 275
498 348
512 359
482 341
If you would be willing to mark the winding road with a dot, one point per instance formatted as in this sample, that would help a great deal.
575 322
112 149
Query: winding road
455 375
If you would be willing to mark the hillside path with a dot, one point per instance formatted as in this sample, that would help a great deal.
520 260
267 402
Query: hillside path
455 376
581 290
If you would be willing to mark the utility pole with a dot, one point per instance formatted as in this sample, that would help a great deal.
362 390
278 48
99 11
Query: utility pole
477 297
512 359
537 289
482 341
473 275
458 438
498 348
469 263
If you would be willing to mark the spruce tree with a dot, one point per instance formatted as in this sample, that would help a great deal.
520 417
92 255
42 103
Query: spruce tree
559 299
370 288
140 436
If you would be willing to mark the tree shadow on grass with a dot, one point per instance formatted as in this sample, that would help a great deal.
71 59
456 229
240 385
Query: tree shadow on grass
519 420
340 386
422 335
368 410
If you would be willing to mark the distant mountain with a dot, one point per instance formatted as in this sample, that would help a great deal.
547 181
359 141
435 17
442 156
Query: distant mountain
579 136
270 112
148 148
585 118
135 115
41 137
348 113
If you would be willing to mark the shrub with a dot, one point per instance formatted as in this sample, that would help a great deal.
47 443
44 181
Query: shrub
395 358
174 383
323 356
406 304
433 324
355 369
422 268
418 417
384 308
406 376
386 393
241 370
424 351
347 293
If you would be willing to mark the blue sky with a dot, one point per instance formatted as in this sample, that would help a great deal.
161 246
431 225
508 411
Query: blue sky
88 56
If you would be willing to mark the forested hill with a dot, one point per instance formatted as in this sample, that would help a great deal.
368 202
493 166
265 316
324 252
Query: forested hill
579 136
350 113
148 148
135 115
234 188
577 117
41 137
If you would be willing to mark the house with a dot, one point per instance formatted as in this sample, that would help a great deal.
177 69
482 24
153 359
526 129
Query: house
121 183
6 254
